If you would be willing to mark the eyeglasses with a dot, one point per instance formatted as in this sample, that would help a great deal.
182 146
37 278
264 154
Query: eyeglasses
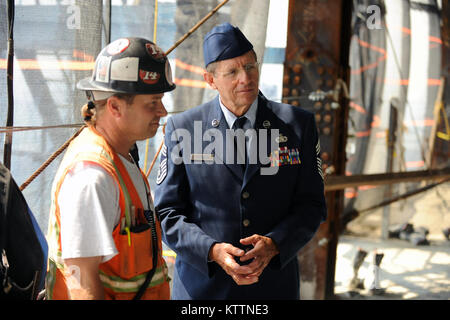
233 73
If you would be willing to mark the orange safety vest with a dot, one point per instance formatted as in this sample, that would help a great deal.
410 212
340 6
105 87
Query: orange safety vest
122 275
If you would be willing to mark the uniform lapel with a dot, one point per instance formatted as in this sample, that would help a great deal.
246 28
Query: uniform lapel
216 120
263 118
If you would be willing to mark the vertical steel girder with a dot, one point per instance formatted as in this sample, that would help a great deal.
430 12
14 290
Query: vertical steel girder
315 70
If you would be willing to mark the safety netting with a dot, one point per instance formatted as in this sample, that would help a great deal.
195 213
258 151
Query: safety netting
56 43
396 63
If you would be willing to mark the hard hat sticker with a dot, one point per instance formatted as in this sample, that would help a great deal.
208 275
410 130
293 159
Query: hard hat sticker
118 46
149 77
168 71
102 69
154 51
125 69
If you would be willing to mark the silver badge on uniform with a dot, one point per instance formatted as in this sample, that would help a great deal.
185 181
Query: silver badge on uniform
162 170
266 124
215 123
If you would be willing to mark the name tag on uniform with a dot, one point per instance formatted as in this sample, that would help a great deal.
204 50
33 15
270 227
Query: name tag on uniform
202 157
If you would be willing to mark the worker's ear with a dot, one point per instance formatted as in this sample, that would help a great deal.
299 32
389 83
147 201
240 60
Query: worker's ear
115 106
209 79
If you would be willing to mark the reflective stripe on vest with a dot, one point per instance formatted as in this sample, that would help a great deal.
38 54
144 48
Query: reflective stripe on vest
91 147
118 284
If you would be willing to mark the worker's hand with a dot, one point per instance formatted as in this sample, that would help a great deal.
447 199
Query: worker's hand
223 254
264 249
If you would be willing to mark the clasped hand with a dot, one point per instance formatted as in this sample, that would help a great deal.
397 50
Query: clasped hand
264 249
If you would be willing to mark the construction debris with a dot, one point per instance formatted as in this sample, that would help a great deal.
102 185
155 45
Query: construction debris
406 231
446 233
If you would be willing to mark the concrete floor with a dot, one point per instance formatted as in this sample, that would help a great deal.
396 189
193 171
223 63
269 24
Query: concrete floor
406 271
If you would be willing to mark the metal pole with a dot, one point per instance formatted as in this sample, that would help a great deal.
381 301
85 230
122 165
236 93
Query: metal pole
192 30
389 165
339 144
108 37
9 84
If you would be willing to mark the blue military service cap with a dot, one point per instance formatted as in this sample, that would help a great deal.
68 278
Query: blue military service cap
224 42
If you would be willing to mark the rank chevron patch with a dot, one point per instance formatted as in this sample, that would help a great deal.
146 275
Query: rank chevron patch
162 170
319 160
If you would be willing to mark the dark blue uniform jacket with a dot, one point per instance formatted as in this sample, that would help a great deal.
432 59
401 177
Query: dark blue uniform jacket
203 202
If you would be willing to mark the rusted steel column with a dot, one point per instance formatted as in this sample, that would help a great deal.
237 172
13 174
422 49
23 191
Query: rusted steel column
439 146
391 140
315 73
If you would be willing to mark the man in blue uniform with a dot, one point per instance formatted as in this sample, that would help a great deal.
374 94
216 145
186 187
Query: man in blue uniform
237 223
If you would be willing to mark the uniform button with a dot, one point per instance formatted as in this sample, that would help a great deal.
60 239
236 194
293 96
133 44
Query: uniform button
245 195
246 222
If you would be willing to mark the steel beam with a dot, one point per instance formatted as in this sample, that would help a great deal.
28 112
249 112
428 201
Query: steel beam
342 182
315 72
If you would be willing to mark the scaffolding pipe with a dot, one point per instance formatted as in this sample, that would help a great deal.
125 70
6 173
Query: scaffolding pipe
9 84
343 182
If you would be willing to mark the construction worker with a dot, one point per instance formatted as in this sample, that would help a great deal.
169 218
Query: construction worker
104 236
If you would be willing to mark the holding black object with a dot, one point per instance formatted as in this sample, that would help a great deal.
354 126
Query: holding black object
23 247
151 223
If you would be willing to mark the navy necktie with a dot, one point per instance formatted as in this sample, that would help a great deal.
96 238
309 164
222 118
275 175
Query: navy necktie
239 124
